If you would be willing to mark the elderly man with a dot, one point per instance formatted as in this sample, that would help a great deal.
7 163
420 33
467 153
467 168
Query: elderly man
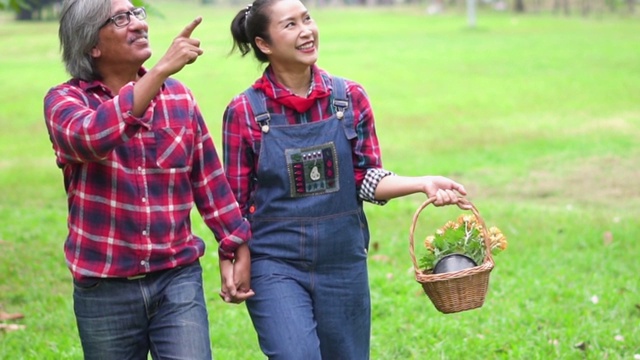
136 156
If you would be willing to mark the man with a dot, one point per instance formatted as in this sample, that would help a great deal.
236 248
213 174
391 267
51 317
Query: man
136 155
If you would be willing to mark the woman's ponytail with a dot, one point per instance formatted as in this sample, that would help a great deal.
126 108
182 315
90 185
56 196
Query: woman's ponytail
239 32
249 23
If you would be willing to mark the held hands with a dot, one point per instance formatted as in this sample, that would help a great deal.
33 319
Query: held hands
236 277
183 51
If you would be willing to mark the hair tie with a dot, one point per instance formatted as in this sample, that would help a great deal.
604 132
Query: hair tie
247 9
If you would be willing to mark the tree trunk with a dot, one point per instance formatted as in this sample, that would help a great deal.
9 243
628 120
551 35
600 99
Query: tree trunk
518 6
586 7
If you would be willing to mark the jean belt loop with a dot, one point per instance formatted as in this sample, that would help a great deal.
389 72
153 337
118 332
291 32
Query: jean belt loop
136 277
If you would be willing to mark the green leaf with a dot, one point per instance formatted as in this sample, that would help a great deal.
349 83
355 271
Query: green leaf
427 261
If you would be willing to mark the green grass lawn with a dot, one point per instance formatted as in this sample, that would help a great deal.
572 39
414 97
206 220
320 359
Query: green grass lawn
537 115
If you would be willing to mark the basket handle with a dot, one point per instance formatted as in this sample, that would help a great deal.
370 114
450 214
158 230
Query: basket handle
461 204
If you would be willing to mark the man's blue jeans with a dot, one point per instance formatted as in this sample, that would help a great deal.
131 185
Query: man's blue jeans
163 313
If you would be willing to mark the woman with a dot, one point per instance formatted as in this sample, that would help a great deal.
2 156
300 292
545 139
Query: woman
301 155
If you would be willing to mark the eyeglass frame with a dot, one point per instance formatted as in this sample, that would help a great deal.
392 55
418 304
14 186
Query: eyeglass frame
128 15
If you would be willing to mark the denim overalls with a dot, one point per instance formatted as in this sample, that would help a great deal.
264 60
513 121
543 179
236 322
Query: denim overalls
309 257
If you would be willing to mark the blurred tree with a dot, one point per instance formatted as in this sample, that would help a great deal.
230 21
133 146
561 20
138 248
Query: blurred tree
631 6
12 4
562 5
33 9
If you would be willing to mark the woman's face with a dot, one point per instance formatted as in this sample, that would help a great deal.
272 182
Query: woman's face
294 35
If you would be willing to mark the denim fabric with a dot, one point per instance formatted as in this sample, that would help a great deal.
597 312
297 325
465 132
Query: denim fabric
309 259
163 314
305 312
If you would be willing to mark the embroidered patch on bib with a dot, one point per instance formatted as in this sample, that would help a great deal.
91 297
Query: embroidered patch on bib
313 170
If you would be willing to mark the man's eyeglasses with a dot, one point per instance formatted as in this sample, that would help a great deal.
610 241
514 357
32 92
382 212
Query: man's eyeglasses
124 18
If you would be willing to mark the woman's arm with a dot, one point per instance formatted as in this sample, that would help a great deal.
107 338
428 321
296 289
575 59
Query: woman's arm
445 190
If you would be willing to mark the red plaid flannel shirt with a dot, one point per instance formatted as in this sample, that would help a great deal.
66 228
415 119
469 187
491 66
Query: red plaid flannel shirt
132 182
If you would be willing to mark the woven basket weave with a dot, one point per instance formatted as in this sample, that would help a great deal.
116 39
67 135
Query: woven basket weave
458 290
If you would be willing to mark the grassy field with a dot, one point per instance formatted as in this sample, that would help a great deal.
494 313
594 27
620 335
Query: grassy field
539 116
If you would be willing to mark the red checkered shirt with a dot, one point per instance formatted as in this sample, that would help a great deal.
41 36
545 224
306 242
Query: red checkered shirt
132 182
242 136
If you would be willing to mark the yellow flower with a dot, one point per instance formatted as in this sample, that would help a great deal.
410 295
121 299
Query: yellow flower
448 225
465 219
428 242
497 238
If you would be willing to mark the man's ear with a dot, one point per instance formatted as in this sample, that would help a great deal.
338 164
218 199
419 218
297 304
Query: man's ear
95 52
263 45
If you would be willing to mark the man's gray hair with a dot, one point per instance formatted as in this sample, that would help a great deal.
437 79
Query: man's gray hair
80 23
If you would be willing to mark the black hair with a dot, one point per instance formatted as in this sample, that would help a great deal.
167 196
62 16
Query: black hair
249 23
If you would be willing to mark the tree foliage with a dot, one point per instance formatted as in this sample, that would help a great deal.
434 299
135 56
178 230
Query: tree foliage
32 9
14 5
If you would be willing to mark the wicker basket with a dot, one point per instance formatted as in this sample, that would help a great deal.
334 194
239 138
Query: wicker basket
459 290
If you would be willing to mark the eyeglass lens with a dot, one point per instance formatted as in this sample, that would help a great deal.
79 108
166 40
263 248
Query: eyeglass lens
124 19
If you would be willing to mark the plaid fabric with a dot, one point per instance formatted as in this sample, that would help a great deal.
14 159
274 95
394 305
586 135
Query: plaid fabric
132 182
242 135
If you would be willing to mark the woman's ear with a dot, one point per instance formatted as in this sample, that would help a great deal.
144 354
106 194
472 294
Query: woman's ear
263 45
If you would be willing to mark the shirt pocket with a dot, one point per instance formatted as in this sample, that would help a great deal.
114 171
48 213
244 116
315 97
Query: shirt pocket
174 147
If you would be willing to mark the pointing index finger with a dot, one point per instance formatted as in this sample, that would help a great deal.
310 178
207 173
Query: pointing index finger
186 32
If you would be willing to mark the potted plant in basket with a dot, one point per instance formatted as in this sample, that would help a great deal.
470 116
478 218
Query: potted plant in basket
463 241
460 244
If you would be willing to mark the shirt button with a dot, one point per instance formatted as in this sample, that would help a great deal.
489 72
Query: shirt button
143 263
144 199
144 232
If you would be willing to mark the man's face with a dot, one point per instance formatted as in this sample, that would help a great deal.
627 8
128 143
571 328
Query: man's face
122 46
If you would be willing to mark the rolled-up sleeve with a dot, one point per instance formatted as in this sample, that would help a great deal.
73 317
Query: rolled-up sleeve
83 128
370 183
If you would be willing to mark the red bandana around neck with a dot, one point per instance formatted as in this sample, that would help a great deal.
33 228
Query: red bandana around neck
283 96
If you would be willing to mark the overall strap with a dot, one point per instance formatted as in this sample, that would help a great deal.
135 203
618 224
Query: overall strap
340 99
341 105
257 102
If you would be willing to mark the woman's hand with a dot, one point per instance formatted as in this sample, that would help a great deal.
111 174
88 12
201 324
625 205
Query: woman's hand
444 190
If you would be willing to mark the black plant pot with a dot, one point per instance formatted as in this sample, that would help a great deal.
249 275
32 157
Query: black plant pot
453 262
